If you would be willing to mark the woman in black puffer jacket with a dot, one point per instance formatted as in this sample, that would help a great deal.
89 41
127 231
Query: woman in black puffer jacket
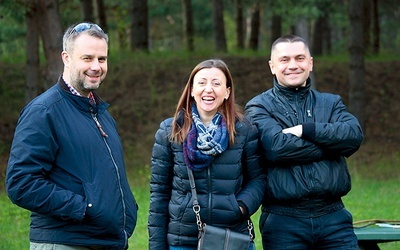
210 136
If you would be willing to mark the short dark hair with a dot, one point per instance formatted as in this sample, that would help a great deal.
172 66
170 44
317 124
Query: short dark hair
289 39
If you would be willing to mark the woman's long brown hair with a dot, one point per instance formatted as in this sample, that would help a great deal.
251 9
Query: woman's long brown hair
183 112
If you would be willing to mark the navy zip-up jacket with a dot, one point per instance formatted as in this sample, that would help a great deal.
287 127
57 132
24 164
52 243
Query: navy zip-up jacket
307 175
70 173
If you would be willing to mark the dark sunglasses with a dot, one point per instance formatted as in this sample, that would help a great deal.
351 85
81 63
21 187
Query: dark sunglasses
85 26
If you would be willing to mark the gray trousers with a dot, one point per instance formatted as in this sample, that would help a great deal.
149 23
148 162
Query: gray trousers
49 246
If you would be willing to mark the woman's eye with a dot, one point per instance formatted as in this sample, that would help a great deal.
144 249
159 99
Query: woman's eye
216 83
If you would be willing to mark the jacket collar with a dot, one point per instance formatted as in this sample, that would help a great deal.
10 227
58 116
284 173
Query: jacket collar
291 93
83 103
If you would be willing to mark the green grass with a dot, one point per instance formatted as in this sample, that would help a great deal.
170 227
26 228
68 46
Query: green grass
369 199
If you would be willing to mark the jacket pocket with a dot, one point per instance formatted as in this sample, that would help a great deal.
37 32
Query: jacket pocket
224 211
103 214
182 212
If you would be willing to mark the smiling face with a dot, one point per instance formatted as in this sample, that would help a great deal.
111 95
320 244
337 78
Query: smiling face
209 91
291 63
85 67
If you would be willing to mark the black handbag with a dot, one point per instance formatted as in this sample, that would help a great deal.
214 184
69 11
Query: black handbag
216 238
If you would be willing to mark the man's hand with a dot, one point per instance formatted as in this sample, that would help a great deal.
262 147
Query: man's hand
296 130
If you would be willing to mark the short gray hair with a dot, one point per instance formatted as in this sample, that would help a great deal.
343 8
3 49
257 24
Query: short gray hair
75 30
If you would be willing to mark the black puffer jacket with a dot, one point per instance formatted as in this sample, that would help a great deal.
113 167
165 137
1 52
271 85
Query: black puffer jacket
234 177
309 171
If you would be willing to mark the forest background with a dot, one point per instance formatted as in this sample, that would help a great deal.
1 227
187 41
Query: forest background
154 44
355 45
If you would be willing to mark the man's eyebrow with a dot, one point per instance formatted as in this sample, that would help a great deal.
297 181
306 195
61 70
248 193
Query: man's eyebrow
92 56
288 56
284 56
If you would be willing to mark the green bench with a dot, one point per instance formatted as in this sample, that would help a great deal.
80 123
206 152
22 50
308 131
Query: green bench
369 236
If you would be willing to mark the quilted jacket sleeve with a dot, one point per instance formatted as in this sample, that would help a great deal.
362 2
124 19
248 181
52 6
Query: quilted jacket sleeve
160 188
254 179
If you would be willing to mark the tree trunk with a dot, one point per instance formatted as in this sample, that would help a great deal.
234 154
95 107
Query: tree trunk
366 8
239 25
375 27
255 26
101 11
321 39
51 33
318 40
32 71
139 27
218 26
188 26
356 61
302 29
276 27
87 10
328 38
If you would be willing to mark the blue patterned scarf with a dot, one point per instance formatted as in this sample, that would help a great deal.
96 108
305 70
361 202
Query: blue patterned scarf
204 143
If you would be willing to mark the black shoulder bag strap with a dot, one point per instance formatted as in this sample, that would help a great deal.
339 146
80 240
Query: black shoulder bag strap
196 206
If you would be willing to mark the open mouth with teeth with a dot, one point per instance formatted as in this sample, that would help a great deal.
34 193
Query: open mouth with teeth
208 99
93 77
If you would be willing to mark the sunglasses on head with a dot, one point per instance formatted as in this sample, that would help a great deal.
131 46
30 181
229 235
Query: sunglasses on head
85 26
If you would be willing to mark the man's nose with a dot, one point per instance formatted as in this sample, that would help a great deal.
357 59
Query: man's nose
95 65
292 64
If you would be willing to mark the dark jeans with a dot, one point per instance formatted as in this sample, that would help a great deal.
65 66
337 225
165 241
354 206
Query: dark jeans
330 231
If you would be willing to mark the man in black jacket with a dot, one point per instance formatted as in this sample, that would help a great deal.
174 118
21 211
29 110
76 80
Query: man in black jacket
305 137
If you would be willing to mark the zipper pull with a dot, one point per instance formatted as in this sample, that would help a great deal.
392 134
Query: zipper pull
99 126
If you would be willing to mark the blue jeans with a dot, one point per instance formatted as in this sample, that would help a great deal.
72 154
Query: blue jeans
330 231
252 247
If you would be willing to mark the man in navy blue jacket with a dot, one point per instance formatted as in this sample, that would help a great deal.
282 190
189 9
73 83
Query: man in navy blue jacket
305 137
66 163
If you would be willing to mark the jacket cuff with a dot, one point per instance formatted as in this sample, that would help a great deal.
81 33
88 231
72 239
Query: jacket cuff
245 214
308 131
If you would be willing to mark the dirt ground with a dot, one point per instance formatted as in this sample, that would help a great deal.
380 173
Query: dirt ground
143 94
